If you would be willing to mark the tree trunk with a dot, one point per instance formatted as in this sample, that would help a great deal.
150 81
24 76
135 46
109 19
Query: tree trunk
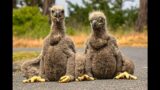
28 3
14 4
46 5
142 16
34 2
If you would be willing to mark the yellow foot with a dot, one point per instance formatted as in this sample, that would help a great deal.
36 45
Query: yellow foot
34 79
85 77
65 79
125 75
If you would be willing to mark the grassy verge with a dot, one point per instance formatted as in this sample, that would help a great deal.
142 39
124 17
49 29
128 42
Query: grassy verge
24 55
124 39
132 39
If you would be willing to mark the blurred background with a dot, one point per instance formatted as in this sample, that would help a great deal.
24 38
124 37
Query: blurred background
126 20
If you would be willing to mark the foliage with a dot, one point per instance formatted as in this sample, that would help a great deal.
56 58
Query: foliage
116 16
28 21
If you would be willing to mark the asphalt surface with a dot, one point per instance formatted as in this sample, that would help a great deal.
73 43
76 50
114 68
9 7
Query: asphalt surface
138 55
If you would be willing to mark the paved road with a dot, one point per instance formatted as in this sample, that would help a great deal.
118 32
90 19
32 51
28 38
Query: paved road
138 55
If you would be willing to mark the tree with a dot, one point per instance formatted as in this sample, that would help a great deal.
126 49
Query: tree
116 16
33 2
14 4
46 5
142 16
79 14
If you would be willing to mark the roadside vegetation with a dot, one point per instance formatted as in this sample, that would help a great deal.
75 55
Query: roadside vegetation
30 26
24 55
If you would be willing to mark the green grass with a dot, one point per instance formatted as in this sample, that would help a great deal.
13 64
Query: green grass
24 55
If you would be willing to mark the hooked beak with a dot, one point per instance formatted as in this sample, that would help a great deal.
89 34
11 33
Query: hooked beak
57 19
94 23
57 14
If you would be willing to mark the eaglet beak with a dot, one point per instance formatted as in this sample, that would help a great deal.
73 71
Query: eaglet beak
94 23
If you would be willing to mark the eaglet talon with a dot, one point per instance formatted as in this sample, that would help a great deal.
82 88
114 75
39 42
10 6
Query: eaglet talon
26 81
125 75
85 77
77 80
89 78
65 79
81 78
34 79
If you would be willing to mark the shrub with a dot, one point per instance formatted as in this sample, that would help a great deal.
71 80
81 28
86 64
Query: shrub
29 22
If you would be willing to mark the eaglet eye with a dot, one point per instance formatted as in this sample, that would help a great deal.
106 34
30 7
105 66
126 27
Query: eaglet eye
62 11
100 19
52 11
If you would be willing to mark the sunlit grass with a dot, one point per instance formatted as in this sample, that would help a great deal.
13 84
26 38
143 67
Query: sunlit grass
131 38
27 42
24 55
